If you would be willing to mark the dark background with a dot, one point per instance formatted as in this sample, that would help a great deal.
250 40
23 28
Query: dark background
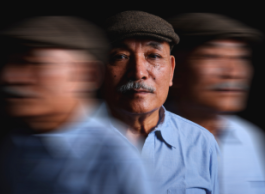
251 13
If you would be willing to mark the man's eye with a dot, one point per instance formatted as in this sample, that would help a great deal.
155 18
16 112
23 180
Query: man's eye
119 57
209 56
154 56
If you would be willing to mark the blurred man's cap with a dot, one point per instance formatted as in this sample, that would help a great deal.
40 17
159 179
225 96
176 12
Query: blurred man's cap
58 32
196 28
139 24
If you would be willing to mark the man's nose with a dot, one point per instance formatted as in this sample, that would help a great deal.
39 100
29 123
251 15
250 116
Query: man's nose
138 68
16 74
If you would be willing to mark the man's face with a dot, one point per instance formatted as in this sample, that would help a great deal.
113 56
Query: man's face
40 82
138 75
216 76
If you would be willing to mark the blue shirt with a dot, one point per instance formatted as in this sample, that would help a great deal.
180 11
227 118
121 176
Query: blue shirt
242 161
180 155
82 157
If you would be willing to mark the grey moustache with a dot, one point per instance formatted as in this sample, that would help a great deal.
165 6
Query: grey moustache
131 85
230 85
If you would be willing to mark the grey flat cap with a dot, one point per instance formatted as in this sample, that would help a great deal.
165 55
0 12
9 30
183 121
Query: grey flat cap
200 27
137 23
61 32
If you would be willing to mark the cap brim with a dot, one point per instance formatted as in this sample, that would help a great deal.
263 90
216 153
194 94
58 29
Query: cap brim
143 35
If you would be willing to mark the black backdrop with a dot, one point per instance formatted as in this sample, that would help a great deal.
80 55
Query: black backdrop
250 12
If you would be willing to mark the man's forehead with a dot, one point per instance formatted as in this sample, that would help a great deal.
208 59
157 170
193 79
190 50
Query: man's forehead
226 43
50 55
40 52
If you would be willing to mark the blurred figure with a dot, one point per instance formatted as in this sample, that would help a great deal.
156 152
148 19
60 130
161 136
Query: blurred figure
180 155
56 143
211 82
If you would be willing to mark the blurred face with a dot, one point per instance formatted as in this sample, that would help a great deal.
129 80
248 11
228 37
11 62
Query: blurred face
40 82
216 76
138 75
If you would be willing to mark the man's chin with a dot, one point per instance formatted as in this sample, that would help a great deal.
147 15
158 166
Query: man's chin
139 110
24 111
229 108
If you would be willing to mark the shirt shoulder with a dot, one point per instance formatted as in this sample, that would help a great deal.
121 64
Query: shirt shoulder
247 134
191 132
244 130
240 122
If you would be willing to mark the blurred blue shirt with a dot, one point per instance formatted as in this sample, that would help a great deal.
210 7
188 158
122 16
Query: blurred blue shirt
181 156
82 157
242 161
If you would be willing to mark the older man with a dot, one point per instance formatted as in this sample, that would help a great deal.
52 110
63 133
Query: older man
181 156
55 143
212 78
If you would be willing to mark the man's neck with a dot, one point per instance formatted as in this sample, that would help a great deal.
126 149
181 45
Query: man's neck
206 118
141 124
53 122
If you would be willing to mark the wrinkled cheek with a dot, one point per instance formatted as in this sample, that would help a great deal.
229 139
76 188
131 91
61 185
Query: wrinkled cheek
112 76
211 71
162 91
57 82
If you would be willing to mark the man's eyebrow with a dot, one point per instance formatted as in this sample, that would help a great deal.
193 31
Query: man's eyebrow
155 45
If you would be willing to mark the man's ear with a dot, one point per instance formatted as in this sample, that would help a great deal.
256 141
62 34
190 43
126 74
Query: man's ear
172 65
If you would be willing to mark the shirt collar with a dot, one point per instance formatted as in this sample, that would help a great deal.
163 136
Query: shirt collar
165 126
228 131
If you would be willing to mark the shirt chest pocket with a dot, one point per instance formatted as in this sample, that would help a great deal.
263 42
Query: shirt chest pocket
176 191
186 191
195 191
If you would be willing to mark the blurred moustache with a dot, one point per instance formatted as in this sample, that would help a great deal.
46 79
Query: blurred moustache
230 86
14 91
131 85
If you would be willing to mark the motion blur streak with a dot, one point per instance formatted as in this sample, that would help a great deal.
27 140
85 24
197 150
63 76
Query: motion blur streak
212 79
55 142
